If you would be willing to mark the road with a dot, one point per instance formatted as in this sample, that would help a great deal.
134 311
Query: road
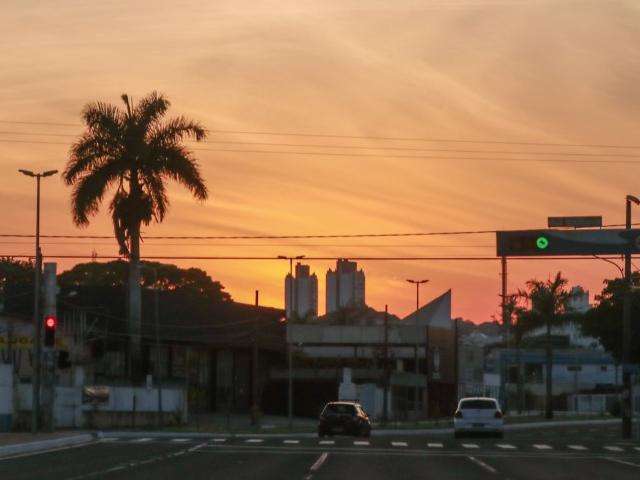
558 453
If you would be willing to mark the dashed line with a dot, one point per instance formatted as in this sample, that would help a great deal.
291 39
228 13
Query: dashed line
254 440
326 442
480 463
614 449
361 443
399 444
470 445
109 440
219 440
617 460
141 440
505 446
577 447
542 446
179 440
435 445
291 442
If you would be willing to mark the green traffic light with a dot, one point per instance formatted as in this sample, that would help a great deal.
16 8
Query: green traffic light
542 243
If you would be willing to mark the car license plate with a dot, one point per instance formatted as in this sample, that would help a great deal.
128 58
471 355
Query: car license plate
478 425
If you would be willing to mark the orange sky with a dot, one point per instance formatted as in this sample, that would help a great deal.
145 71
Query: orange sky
522 71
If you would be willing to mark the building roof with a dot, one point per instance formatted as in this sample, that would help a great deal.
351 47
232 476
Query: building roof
436 313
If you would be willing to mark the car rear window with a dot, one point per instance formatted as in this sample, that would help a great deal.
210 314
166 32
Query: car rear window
339 409
478 404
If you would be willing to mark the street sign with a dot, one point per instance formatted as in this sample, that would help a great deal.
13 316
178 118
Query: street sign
526 243
575 222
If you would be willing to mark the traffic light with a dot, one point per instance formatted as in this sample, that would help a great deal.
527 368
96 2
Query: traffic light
50 324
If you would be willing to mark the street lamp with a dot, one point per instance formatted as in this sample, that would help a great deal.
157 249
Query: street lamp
417 283
626 330
290 352
35 404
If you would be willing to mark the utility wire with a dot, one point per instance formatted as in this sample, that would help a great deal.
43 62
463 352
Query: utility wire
363 137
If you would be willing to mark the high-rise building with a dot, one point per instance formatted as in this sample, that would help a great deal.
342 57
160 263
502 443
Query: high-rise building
345 286
301 293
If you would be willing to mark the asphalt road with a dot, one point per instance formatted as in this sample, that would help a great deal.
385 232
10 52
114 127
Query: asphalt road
558 453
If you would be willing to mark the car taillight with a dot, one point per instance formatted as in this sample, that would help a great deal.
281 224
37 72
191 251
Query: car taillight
498 414
458 414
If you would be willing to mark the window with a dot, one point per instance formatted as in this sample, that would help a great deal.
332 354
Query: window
478 404
339 409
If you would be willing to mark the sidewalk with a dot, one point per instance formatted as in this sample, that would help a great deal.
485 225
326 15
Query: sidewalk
21 443
12 438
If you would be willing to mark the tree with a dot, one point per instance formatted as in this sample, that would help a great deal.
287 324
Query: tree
16 287
604 321
549 302
132 152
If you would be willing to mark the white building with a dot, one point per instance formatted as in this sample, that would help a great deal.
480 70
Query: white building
345 286
301 293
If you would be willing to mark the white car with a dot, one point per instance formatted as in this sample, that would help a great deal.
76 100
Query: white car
478 415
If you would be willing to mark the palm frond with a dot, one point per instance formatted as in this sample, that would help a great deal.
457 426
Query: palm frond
89 190
177 163
175 131
150 109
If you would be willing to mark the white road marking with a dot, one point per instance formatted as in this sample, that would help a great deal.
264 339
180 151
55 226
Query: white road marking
219 440
480 463
361 443
292 442
637 448
542 446
318 463
470 445
179 440
400 444
434 445
326 442
614 449
254 440
110 439
141 440
505 446
617 460
577 447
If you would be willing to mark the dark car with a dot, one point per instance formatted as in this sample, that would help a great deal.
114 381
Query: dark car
344 417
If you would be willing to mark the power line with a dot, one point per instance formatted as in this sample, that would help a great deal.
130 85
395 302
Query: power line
306 258
365 137
289 237
347 147
219 245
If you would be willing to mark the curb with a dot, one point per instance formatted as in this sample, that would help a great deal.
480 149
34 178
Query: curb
45 445
374 433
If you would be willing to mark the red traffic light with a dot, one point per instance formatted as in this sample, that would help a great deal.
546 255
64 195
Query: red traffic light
50 322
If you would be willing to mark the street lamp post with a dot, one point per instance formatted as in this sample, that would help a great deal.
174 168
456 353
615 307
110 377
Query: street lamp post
35 383
289 347
417 283
626 330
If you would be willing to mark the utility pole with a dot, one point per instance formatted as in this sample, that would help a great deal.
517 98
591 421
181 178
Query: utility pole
626 330
505 324
456 373
255 408
156 314
385 407
417 358
37 323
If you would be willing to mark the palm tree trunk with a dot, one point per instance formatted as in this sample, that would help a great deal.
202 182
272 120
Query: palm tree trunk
549 392
135 305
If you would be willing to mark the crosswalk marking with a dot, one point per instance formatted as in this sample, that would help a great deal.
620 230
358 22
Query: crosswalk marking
505 446
542 446
614 449
399 444
361 443
254 440
180 440
140 440
434 445
577 447
327 442
293 442
470 445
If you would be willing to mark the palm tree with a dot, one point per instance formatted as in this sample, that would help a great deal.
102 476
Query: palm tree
549 301
132 152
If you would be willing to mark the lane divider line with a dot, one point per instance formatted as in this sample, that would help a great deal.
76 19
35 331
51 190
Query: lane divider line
505 446
141 440
327 442
614 449
219 440
291 442
362 443
623 462
481 464
542 446
254 440
470 445
435 445
399 444
577 447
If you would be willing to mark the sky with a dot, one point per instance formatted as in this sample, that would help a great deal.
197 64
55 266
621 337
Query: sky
460 75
